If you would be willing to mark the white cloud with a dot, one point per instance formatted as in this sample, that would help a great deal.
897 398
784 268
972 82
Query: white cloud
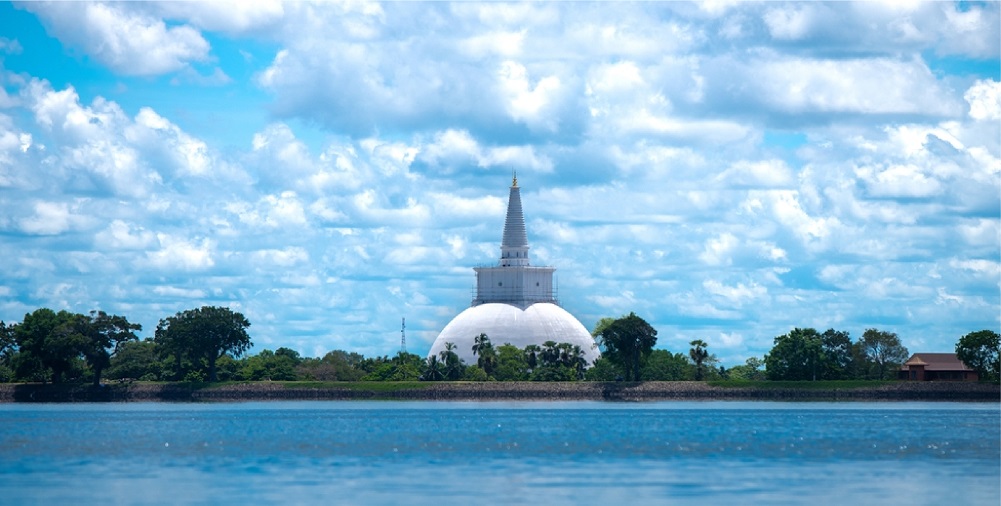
49 218
736 295
272 211
286 257
899 181
761 174
799 85
229 16
984 98
790 22
173 291
719 250
530 101
122 235
128 42
178 254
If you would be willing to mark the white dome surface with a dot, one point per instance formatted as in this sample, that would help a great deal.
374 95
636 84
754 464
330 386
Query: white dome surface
510 324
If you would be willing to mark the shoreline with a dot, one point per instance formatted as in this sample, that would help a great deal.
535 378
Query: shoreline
497 391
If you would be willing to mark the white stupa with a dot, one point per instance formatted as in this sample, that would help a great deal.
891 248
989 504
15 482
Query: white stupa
515 302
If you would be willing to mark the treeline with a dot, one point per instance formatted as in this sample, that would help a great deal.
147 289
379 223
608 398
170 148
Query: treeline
210 344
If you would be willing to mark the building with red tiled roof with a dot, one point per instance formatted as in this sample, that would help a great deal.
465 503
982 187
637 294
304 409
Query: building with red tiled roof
936 367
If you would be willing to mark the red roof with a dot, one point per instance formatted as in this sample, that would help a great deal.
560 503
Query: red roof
937 362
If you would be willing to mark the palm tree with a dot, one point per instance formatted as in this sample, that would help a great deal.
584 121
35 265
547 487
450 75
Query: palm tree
488 359
550 353
578 362
479 343
532 356
453 365
698 355
432 370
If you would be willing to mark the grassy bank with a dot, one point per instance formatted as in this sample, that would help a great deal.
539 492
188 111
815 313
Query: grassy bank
487 391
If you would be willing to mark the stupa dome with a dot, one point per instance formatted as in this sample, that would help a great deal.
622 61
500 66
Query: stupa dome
515 301
512 324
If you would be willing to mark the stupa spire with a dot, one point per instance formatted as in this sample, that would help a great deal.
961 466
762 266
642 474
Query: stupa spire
514 245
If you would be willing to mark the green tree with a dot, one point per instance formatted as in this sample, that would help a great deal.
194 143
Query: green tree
136 360
406 367
102 335
605 370
511 364
749 371
532 353
433 370
206 333
550 354
600 327
49 342
662 365
475 373
8 348
795 356
336 365
979 351
269 365
836 355
479 342
451 363
626 341
883 353
698 353
7 343
576 360
487 356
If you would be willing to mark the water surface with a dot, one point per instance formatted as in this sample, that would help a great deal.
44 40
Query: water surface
507 453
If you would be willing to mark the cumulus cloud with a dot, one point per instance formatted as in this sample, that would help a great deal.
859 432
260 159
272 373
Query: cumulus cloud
179 254
984 98
765 173
121 235
49 218
127 41
802 86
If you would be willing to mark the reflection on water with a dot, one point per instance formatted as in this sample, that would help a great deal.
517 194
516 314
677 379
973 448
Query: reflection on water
422 453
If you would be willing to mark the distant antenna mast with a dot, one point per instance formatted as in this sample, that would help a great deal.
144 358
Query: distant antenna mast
403 336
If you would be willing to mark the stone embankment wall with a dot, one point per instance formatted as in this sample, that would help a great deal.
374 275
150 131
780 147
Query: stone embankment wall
495 391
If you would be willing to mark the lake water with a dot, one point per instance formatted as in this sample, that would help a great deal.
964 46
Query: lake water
501 453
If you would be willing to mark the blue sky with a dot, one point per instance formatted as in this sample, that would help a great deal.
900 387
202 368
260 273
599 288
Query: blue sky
728 171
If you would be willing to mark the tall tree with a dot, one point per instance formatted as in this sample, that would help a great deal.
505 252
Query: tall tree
7 343
433 370
550 354
49 341
7 351
483 349
451 362
883 353
836 355
532 352
626 341
795 356
601 326
979 350
103 335
698 354
479 342
206 333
